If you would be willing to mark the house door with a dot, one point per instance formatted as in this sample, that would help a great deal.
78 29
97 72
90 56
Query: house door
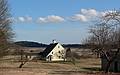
116 66
50 57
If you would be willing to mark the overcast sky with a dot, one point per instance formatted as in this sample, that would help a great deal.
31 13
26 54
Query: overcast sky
67 21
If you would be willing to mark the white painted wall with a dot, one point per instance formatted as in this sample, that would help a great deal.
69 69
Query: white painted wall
57 54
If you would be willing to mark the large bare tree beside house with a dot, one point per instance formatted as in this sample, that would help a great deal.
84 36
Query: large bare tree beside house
5 27
105 36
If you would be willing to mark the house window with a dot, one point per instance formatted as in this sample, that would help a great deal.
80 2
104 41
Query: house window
52 52
58 46
59 56
58 51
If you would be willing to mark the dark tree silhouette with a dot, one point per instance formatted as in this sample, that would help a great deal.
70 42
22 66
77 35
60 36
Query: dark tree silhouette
5 28
105 36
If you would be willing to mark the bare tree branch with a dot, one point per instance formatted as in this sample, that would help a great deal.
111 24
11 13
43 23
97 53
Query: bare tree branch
5 28
105 36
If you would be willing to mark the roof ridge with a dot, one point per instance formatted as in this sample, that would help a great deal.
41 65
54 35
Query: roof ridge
49 49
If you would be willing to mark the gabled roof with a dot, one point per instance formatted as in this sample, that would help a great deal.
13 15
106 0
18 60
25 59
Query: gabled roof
48 49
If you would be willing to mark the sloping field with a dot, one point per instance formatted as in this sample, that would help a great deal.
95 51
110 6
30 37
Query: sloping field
84 66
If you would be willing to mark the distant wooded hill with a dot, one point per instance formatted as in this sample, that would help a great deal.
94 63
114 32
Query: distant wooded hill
36 44
30 44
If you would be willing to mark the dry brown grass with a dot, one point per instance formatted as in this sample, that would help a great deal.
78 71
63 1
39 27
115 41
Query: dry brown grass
84 66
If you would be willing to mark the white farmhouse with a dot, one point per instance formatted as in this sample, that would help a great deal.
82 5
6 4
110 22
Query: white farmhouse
54 52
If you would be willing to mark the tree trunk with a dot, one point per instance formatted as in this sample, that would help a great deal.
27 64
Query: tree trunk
108 66
111 60
21 65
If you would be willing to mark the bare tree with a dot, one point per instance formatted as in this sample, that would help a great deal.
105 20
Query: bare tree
68 54
71 55
5 28
23 58
105 35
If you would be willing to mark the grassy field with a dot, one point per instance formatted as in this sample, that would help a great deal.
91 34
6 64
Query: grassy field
84 66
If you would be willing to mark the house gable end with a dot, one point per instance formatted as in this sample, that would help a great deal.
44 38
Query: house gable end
48 49
57 52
